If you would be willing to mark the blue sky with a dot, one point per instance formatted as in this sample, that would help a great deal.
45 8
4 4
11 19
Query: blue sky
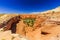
27 6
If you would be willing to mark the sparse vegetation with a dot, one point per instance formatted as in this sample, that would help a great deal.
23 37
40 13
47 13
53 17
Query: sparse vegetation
29 21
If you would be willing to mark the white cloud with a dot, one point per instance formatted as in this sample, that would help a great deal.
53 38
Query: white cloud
7 10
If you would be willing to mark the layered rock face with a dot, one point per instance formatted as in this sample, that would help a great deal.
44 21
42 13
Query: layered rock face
51 27
46 26
9 21
43 26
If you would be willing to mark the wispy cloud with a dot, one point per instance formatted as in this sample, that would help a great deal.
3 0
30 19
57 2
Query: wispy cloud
7 10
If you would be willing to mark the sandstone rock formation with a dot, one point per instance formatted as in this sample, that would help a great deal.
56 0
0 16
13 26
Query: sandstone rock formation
42 26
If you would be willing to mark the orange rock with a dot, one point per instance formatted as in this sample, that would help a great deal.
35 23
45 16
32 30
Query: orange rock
20 29
34 35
